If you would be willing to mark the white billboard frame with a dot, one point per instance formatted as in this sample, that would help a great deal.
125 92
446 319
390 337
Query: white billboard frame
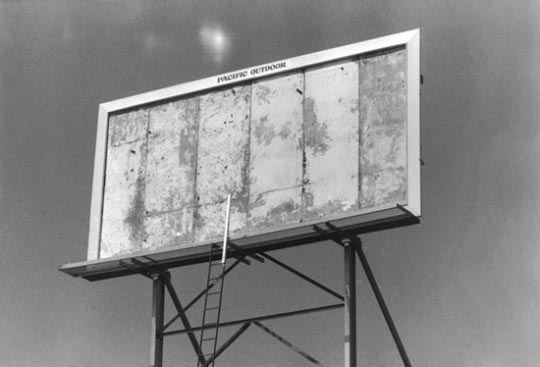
410 40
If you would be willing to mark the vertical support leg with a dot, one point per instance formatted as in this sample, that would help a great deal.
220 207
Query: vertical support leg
158 308
350 305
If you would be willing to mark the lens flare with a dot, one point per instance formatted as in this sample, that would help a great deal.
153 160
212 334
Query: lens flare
215 41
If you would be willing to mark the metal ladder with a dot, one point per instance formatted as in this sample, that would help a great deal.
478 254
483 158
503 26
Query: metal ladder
212 307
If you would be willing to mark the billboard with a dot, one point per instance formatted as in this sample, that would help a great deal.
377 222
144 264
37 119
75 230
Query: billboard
331 136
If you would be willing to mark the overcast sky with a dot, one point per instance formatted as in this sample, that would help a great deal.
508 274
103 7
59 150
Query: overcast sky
463 286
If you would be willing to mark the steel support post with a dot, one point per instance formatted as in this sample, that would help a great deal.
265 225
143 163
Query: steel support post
158 308
350 304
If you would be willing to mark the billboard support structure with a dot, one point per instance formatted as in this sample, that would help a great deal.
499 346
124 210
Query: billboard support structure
351 245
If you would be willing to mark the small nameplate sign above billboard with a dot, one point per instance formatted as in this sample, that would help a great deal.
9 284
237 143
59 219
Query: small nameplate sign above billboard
329 136
256 71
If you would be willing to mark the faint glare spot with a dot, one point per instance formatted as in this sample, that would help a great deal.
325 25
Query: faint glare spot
150 41
154 42
216 42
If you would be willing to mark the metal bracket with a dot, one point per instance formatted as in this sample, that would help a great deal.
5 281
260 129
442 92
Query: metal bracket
243 253
149 269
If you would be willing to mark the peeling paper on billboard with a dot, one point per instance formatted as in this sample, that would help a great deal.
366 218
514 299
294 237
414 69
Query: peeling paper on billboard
321 142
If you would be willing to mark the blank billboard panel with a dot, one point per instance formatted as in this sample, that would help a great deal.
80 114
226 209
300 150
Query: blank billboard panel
326 137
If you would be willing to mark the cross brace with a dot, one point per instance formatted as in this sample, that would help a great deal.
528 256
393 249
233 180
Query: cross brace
351 244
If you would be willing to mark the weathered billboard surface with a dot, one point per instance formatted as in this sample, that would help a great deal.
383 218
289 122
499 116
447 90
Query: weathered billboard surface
329 136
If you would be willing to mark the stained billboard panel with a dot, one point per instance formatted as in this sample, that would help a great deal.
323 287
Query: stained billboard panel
326 137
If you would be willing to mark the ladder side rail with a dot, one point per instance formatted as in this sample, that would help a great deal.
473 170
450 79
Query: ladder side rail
219 310
211 253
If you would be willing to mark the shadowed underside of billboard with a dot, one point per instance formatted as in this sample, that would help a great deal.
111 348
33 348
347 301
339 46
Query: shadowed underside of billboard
331 136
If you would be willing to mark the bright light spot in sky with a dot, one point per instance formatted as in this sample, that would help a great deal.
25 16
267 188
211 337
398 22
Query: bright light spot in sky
216 42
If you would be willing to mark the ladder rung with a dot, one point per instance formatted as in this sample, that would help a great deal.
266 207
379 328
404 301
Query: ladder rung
212 293
205 339
214 278
211 308
212 324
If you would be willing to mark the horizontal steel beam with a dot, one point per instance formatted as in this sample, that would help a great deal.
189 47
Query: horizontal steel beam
240 251
260 318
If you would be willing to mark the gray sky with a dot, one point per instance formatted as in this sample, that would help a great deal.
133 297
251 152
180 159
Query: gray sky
463 286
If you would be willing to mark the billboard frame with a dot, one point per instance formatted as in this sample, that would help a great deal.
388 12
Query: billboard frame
410 40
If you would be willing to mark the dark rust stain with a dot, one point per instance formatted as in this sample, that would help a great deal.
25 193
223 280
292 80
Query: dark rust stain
185 148
263 93
135 214
188 137
264 132
198 221
286 212
285 131
316 134
239 205
243 194
307 199
328 208
285 207
305 178
124 128
259 201
395 150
